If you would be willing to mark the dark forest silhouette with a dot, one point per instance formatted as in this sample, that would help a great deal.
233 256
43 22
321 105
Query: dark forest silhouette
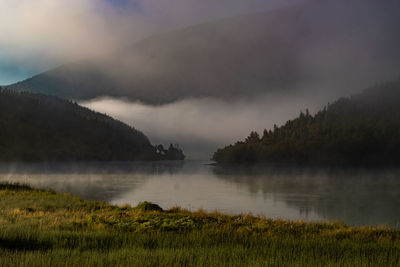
36 127
362 129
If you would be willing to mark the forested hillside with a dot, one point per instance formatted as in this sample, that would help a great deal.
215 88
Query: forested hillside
43 128
362 129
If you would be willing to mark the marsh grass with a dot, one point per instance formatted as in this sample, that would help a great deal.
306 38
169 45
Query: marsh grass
43 228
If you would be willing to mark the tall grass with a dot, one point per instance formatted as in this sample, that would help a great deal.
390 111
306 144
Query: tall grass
43 228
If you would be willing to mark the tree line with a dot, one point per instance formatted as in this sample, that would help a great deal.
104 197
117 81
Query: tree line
37 127
362 129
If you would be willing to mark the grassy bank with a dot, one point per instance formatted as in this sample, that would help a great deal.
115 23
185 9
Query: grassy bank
43 228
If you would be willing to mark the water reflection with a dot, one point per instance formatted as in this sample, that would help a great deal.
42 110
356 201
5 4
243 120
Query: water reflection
93 181
354 196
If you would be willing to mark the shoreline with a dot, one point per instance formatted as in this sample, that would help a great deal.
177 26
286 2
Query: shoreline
45 228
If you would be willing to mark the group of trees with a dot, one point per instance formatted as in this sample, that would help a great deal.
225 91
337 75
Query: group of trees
362 129
37 127
172 153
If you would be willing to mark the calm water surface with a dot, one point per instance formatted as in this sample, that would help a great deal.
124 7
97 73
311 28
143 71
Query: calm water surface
354 196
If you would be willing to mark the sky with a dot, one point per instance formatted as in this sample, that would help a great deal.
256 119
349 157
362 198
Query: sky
41 34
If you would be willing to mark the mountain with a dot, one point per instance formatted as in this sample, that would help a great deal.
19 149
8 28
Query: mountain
318 44
36 127
362 129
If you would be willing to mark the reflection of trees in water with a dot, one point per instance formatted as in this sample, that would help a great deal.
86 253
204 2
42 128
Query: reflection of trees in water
356 196
94 181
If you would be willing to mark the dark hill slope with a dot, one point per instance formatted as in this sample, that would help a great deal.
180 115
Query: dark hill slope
43 128
342 43
363 129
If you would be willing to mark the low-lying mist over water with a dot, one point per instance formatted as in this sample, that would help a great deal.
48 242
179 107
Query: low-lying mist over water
200 126
351 195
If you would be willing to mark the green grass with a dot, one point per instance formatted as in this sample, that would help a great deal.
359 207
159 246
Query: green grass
43 228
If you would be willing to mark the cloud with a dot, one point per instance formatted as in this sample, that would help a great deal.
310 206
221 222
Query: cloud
65 29
180 12
201 126
44 33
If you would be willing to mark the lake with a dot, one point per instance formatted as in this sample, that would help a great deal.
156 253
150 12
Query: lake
353 196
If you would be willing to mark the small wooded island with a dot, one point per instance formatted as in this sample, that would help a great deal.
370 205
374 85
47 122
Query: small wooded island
362 129
37 127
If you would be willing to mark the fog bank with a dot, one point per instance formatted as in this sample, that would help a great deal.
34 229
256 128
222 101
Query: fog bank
200 126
